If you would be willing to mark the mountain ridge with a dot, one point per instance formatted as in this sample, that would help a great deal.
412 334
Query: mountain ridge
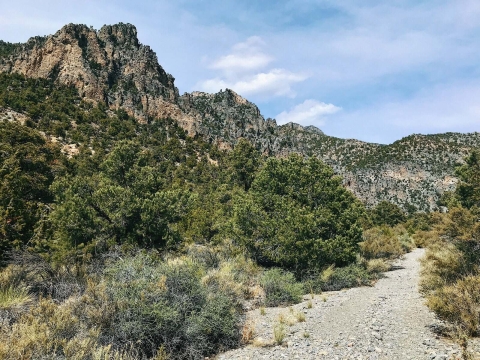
111 66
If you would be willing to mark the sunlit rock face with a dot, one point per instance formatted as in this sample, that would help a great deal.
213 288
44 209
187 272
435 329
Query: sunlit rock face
111 66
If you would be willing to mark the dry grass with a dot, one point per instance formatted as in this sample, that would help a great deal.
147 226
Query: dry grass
300 316
327 273
377 266
459 304
441 265
14 297
279 333
261 342
309 304
248 331
381 242
450 273
287 319
424 239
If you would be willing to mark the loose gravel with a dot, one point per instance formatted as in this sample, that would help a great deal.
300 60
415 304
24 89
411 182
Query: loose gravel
386 321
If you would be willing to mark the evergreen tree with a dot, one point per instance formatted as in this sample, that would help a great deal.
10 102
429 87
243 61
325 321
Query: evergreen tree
387 213
468 190
27 168
298 216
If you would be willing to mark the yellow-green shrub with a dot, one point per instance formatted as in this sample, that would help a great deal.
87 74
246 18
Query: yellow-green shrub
459 304
441 265
381 242
376 266
135 306
425 239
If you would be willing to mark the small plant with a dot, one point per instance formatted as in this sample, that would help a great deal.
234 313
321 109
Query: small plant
300 316
377 266
306 335
279 333
248 331
162 354
280 288
309 304
291 320
324 298
263 312
11 297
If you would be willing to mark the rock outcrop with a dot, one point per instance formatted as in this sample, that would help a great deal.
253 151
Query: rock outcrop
111 66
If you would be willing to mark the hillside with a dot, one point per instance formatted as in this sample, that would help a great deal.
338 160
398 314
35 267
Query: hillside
110 66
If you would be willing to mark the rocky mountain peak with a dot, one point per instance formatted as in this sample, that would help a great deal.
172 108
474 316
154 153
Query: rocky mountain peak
112 66
120 34
109 65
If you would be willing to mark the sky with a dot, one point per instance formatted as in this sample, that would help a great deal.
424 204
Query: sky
371 70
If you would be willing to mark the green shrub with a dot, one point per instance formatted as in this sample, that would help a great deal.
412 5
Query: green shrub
406 241
280 288
347 277
334 279
387 213
167 304
134 307
298 216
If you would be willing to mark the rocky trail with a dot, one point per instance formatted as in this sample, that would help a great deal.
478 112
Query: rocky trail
387 321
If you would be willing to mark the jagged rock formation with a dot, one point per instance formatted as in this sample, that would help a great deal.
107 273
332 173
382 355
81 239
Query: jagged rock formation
111 66
108 65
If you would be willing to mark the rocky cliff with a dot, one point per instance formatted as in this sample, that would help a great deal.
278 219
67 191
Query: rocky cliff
111 66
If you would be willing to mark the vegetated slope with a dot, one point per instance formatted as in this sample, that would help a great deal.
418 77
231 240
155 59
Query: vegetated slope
111 66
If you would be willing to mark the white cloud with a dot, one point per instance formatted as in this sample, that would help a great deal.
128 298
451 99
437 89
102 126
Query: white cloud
237 62
276 82
310 112
240 71
245 56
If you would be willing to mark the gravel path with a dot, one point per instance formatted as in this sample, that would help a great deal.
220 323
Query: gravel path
387 321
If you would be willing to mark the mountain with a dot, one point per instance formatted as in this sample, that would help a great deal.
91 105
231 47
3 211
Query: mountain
111 66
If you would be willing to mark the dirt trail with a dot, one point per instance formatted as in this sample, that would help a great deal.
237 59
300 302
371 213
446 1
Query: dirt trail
387 321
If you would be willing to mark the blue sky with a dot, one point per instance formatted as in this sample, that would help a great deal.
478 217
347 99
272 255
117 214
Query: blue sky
371 70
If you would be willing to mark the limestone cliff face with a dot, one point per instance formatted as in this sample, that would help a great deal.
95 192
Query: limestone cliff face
111 66
108 65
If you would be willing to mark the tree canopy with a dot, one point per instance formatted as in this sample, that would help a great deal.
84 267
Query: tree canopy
297 215
468 189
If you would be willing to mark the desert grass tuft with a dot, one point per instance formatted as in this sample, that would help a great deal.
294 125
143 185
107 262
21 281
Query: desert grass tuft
300 316
14 297
279 333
